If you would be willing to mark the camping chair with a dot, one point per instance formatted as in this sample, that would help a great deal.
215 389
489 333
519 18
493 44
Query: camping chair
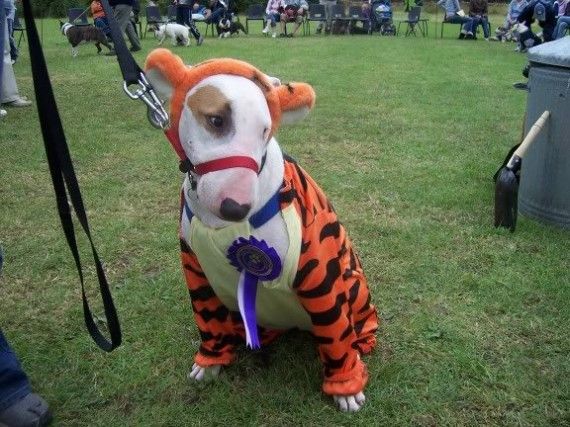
355 15
171 13
18 27
339 15
255 12
316 13
77 16
153 17
412 22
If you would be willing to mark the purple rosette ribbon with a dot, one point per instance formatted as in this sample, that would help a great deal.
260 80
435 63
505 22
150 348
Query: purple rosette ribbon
255 260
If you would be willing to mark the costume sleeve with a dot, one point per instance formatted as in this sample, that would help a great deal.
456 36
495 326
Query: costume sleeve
214 320
330 291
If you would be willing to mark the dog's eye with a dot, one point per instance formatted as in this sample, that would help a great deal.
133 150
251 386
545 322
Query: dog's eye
216 121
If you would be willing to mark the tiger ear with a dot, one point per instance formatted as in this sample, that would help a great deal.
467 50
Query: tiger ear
165 71
296 100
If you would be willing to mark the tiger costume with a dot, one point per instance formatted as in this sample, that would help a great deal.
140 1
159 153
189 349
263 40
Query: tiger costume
321 286
329 284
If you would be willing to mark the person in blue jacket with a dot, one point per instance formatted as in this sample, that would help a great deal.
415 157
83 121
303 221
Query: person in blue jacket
19 407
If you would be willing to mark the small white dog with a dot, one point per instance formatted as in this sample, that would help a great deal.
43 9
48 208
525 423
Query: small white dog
178 33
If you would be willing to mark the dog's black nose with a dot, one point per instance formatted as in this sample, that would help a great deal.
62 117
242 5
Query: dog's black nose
233 211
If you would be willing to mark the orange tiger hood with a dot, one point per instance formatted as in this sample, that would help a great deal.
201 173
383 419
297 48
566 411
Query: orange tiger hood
173 79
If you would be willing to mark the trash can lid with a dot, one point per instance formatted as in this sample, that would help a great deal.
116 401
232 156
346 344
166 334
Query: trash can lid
556 53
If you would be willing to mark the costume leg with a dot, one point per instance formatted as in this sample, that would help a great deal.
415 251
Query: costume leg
331 287
220 329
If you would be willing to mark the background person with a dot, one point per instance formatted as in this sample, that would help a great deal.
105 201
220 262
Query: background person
272 16
543 12
122 10
562 10
184 17
292 11
329 4
455 15
478 11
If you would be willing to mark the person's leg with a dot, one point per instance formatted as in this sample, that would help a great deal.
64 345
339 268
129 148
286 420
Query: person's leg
123 17
9 93
14 53
561 27
14 383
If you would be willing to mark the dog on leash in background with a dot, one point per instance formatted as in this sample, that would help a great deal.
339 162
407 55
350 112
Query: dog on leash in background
84 34
179 34
227 28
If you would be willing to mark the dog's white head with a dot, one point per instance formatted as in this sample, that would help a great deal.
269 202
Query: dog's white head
159 30
224 113
64 27
224 24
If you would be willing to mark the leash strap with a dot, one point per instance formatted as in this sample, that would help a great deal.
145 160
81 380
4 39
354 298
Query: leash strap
133 75
63 178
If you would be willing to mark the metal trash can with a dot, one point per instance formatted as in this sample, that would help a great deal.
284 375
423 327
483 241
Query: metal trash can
544 192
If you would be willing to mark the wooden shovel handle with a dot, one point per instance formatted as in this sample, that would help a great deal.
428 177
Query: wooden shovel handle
532 134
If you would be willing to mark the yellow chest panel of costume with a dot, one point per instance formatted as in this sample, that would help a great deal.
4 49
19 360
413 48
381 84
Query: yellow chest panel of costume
277 305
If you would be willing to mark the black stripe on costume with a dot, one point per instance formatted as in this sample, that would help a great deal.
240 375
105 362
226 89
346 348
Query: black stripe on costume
346 332
331 363
328 317
325 287
203 293
205 352
366 305
198 273
184 247
220 314
332 229
360 324
304 271
353 292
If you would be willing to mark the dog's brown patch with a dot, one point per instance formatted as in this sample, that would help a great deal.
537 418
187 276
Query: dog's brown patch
212 110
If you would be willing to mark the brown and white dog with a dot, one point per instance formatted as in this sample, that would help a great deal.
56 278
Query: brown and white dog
77 35
223 115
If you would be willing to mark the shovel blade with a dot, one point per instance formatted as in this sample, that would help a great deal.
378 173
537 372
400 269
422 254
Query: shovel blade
506 197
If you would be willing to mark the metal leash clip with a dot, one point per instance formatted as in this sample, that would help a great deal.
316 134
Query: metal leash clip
156 114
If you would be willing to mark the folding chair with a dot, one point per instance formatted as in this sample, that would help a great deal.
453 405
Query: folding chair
171 13
255 12
77 16
316 13
412 22
339 14
18 27
153 17
355 15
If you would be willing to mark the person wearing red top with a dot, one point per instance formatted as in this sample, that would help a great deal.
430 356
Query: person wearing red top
99 17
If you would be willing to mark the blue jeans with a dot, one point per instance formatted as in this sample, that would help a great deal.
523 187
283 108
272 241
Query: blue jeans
465 20
103 24
561 26
14 383
484 22
273 17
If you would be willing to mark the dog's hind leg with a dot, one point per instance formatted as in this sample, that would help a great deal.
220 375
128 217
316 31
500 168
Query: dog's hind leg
98 46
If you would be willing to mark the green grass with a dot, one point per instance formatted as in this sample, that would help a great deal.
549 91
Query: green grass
405 137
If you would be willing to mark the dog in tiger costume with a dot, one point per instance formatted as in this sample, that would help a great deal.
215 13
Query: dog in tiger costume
262 248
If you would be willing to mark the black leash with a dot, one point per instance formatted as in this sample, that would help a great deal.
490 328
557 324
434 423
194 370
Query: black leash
132 74
65 184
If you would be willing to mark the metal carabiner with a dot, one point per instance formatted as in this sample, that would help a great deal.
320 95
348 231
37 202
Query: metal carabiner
156 114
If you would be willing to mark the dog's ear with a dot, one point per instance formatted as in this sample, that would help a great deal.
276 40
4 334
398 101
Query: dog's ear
296 100
165 71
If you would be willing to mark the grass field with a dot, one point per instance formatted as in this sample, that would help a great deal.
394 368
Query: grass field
405 138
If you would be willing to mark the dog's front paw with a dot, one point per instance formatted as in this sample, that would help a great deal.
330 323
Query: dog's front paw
350 403
200 373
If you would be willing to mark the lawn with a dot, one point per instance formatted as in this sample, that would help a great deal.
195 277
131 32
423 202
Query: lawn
404 138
